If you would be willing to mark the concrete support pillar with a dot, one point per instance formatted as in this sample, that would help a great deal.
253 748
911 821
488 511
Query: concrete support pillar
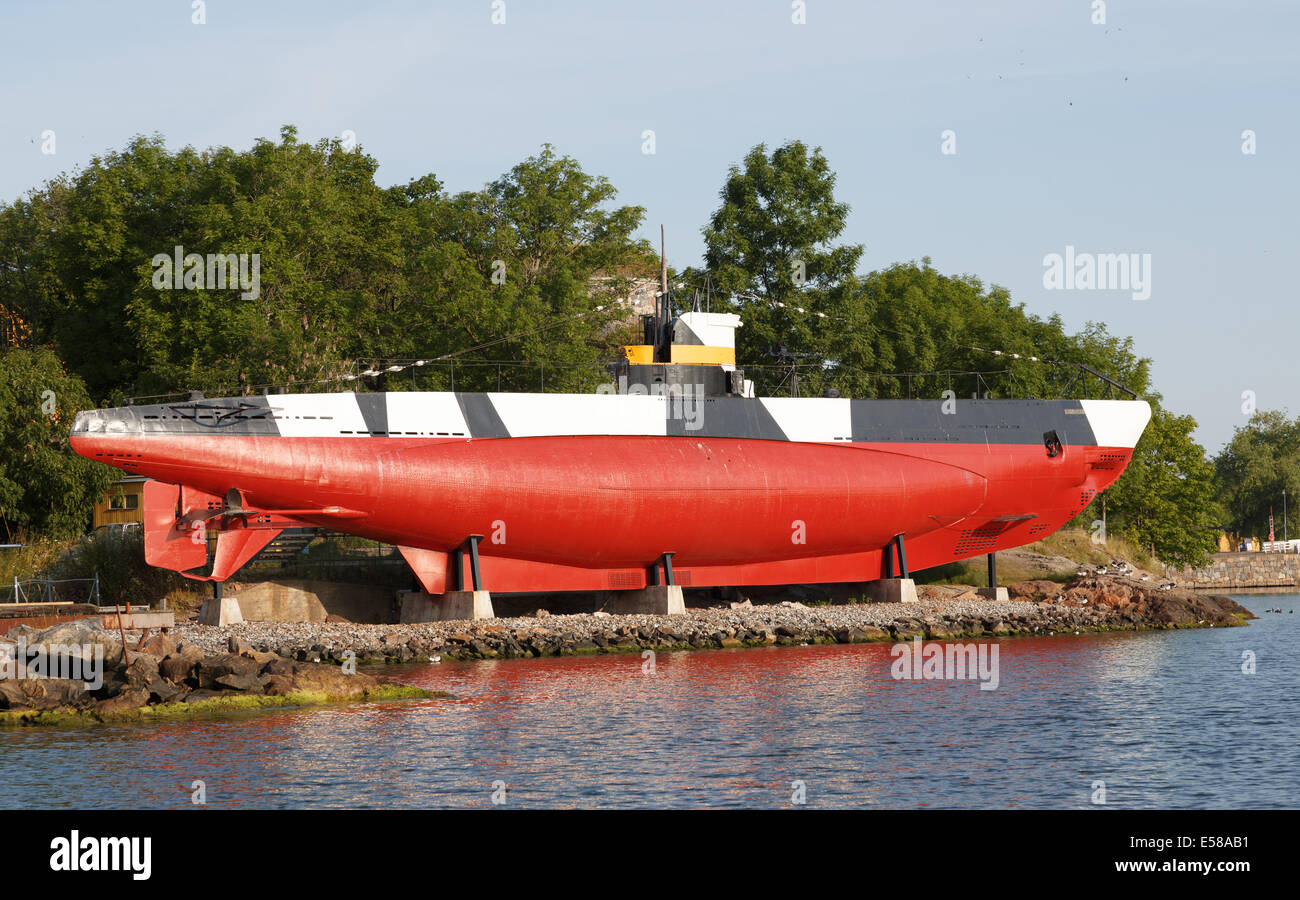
993 592
417 606
656 600
891 590
220 611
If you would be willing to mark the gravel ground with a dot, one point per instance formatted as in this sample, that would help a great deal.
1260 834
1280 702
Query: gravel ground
784 623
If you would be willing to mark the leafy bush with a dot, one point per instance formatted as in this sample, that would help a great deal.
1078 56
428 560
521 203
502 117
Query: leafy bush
124 576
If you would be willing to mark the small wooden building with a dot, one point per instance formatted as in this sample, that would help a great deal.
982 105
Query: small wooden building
123 502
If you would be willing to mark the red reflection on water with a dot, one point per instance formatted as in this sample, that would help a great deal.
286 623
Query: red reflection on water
744 724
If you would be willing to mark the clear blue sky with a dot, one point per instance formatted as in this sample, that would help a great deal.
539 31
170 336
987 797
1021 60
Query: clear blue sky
1122 137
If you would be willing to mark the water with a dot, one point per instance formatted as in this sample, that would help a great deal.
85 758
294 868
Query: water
1165 719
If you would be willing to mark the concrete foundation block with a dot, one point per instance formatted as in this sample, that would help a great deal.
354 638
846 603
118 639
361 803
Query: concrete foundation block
656 600
892 590
417 606
994 593
221 612
113 621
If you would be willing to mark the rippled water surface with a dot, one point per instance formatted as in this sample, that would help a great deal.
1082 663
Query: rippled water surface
1165 719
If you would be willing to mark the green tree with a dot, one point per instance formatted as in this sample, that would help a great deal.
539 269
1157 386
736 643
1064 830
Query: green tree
347 270
539 254
1260 462
1165 498
46 490
771 245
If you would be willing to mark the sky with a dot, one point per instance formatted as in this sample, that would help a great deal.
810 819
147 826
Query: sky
1123 136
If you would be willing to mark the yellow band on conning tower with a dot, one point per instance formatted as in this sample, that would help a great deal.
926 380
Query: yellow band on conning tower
694 354
683 354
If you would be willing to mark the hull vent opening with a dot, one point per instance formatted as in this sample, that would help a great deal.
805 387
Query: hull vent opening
1109 461
980 540
625 580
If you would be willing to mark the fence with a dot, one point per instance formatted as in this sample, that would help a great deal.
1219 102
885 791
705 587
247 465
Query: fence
46 590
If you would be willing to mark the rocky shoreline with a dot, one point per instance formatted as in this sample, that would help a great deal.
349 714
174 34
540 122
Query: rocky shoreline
255 664
1093 604
78 672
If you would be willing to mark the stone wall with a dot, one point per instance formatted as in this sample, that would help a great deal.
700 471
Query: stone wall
1243 570
303 600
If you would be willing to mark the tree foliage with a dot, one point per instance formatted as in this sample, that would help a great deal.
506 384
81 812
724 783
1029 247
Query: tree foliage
1165 498
771 245
1260 462
347 270
45 489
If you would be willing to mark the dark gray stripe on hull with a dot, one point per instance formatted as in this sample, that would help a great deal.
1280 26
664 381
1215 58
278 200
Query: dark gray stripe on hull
733 417
241 416
374 409
972 421
481 416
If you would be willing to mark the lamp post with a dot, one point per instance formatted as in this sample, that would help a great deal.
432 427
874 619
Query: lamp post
1284 515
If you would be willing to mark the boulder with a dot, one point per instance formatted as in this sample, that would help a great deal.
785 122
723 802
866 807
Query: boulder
201 694
244 681
143 671
147 672
161 645
163 691
324 679
12 696
1039 589
277 685
214 667
131 698
278 666
179 667
79 638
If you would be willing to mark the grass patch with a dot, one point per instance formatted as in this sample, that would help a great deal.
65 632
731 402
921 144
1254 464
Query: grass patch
29 560
1076 544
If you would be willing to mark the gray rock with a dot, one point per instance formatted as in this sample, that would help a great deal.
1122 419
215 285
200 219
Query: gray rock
79 639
